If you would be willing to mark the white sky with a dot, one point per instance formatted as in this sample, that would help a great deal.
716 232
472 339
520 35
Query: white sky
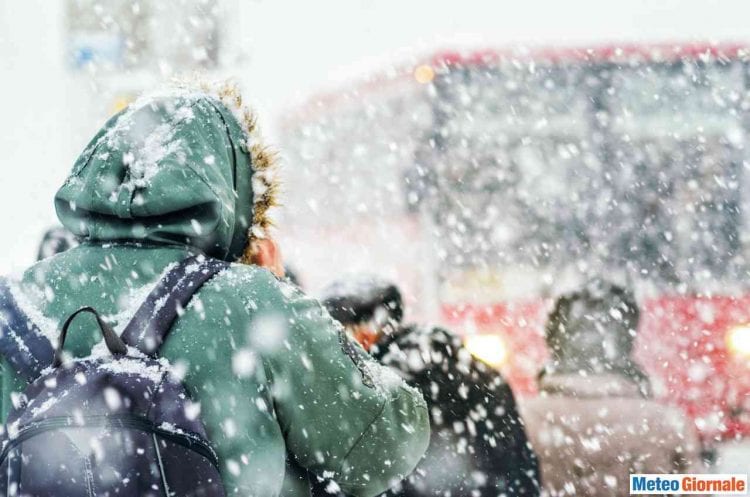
294 48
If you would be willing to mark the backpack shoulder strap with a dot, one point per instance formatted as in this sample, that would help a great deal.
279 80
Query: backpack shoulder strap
21 341
153 320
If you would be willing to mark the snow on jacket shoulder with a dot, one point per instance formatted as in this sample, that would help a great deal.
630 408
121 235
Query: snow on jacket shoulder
269 368
343 414
591 432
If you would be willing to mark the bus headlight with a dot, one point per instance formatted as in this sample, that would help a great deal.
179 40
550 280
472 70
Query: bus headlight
424 74
490 349
738 340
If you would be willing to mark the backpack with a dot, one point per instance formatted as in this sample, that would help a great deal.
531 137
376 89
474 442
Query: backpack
112 424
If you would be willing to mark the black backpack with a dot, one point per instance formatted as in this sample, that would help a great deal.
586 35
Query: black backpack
116 425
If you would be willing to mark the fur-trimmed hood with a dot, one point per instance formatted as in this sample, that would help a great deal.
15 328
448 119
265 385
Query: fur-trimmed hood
181 166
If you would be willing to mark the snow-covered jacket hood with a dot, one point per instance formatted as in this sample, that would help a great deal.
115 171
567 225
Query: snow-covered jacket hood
183 166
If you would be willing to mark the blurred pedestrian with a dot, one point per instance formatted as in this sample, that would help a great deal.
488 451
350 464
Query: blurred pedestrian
478 445
595 421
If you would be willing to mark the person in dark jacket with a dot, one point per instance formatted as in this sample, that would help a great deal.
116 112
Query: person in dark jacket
478 445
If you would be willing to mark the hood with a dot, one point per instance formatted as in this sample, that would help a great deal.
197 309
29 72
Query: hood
180 167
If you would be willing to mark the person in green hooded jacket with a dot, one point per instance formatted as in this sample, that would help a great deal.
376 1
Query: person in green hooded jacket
183 172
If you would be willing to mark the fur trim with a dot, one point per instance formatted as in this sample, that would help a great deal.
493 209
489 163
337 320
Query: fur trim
265 182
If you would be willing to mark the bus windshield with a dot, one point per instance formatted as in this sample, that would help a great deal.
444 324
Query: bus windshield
592 168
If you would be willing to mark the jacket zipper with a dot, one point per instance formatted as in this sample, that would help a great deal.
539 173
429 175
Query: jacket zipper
124 421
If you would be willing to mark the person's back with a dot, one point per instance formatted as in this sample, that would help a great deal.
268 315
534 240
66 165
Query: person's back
595 421
591 433
478 444
265 365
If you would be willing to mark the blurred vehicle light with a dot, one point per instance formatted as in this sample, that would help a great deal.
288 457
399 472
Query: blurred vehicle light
424 74
738 340
490 349
119 103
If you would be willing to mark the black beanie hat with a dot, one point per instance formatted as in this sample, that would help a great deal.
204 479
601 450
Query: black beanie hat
359 298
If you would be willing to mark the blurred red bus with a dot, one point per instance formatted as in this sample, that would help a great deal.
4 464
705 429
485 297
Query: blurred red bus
523 173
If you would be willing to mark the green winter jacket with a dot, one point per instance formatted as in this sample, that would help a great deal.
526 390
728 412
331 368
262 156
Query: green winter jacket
172 175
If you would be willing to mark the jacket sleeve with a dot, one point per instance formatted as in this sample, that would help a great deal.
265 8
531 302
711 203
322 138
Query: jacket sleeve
342 415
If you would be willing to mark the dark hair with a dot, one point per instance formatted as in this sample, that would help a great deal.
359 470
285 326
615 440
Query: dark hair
56 240
360 298
583 323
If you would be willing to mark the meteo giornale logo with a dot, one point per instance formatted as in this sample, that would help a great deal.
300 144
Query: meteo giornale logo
651 484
